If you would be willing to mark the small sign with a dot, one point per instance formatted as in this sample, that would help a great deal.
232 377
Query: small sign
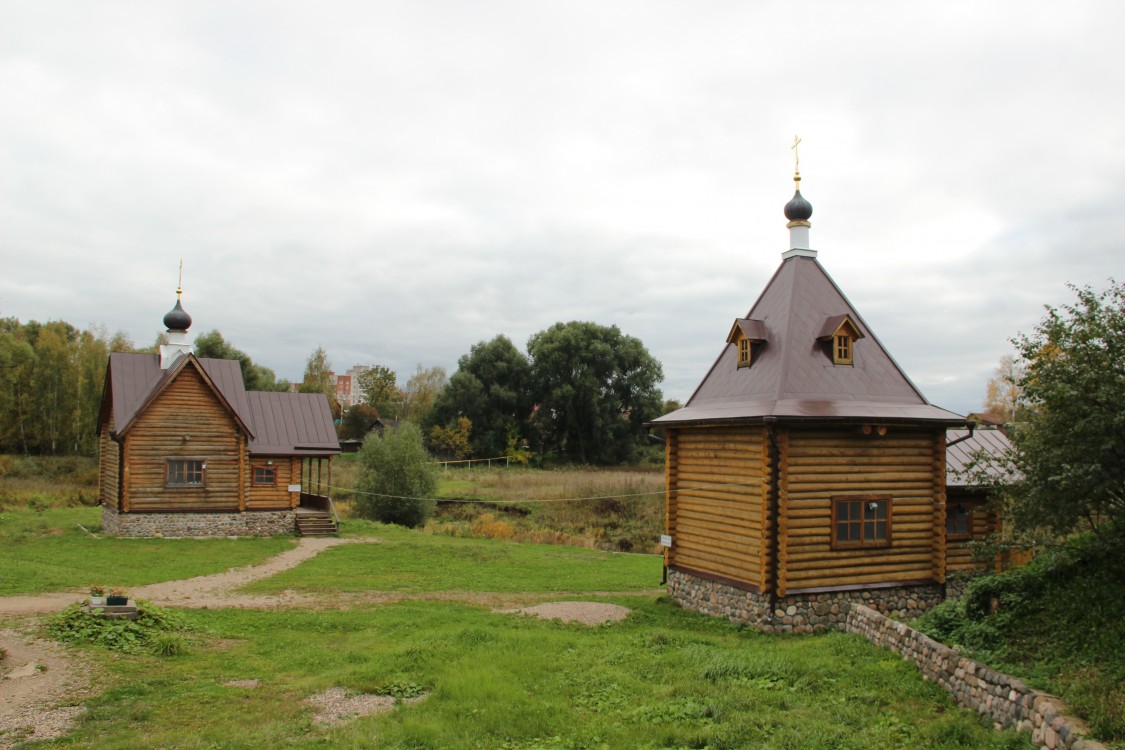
294 488
666 540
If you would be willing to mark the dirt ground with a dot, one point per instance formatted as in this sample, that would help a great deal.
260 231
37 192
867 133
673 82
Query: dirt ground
42 685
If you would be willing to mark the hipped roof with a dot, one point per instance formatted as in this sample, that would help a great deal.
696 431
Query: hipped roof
276 424
793 377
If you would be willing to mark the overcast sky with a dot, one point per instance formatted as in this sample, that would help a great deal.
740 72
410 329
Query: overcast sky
398 181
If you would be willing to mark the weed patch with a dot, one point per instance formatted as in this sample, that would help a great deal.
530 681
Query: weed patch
156 630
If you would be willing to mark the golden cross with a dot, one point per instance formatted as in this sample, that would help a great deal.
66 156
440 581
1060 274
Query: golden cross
796 155
180 283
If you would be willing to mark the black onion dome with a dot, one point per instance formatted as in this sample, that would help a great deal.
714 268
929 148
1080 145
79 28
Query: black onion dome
177 318
798 209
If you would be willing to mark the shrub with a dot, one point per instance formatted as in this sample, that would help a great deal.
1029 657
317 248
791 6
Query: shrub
397 479
154 630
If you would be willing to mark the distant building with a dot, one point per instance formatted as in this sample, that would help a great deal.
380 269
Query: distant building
349 391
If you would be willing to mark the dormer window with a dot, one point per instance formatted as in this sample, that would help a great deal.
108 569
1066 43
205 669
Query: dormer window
745 334
839 333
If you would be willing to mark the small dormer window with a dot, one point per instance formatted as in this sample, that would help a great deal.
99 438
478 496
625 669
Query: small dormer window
838 335
745 334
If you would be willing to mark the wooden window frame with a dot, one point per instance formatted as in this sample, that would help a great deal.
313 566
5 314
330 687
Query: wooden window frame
744 352
185 471
952 533
862 522
255 468
842 349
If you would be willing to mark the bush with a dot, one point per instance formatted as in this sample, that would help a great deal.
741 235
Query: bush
397 479
155 630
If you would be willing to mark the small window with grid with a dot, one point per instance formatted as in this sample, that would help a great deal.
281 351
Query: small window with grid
265 476
863 521
843 351
185 472
958 521
744 353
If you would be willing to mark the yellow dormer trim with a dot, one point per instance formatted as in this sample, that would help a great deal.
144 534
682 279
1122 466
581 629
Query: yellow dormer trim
841 333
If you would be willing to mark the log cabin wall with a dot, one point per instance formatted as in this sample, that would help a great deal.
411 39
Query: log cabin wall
982 522
109 465
277 495
186 409
717 487
816 465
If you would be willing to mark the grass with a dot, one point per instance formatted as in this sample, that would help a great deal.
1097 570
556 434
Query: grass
409 561
1058 622
45 550
663 678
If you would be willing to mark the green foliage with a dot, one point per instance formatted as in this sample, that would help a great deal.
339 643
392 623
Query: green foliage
397 478
1058 621
491 389
595 388
357 422
156 630
318 378
421 392
1069 454
452 441
255 377
380 390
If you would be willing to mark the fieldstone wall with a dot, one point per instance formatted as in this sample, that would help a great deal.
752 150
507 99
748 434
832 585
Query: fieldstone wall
1006 701
250 523
797 613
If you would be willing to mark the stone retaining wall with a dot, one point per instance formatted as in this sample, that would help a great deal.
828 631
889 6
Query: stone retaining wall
250 523
1006 701
797 613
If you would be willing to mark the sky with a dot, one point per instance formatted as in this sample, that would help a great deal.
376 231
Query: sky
397 181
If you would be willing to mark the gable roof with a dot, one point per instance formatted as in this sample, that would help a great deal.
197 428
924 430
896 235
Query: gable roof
291 424
793 378
134 380
277 424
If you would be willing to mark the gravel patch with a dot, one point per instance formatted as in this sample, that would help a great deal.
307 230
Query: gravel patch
587 613
243 683
41 687
335 706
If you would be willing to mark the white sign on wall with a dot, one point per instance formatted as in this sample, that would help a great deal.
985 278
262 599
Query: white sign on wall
665 540
294 488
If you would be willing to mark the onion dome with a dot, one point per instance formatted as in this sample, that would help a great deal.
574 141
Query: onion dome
798 209
177 318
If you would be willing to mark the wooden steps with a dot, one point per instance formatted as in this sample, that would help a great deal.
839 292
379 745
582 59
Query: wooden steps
316 524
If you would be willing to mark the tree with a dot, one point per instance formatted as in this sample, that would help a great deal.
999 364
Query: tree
422 390
453 440
1069 456
17 367
397 479
254 377
595 388
357 422
379 385
490 388
1004 396
318 378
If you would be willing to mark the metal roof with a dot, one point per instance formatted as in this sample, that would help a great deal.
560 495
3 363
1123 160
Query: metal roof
988 445
276 423
793 376
291 424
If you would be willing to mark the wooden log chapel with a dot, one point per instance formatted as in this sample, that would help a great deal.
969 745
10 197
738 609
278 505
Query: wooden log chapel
806 470
186 450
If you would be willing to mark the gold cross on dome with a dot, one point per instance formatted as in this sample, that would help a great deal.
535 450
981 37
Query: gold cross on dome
796 155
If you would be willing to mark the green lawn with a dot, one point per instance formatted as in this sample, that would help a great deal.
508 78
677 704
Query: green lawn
45 550
410 561
663 678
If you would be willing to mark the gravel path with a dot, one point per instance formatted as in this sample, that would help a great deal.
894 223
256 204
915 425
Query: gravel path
42 689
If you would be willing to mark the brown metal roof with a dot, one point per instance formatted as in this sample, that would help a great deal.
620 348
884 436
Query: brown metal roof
754 330
793 376
988 444
292 424
277 424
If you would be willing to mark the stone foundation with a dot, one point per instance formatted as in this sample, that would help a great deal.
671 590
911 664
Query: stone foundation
250 523
796 613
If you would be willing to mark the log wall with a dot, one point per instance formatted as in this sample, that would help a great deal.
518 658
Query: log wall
817 464
186 420
958 553
109 465
717 489
287 470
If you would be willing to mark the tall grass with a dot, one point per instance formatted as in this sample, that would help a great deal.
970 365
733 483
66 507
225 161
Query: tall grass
39 482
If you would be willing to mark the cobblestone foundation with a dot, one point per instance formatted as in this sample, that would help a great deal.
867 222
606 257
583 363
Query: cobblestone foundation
956 584
1006 701
797 613
250 523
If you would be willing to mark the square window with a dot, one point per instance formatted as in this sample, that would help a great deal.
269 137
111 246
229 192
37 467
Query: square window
185 472
265 476
861 521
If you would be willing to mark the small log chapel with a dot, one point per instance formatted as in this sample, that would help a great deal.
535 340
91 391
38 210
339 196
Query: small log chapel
185 450
807 470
